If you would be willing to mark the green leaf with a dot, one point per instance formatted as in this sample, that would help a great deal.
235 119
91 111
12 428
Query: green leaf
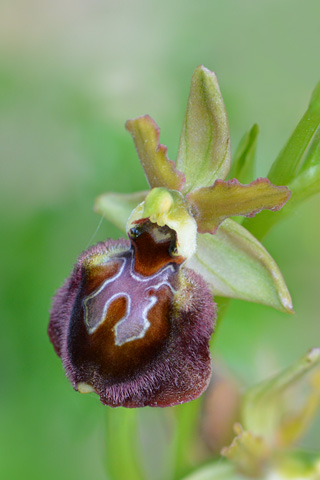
117 207
298 165
204 151
212 205
312 157
281 408
159 170
290 159
218 470
300 464
238 266
244 158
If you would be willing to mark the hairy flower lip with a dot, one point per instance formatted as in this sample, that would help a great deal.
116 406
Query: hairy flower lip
173 370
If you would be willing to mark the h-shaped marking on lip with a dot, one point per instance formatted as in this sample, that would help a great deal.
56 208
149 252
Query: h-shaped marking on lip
134 288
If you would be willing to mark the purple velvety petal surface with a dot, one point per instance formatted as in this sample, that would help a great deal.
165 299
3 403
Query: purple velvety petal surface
176 370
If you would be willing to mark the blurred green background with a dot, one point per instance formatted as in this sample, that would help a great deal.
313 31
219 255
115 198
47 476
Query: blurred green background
71 73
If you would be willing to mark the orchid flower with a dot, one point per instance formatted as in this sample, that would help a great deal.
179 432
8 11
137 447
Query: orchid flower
133 321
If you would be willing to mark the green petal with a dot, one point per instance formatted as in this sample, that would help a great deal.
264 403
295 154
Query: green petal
281 408
204 151
117 207
212 205
244 158
159 170
238 266
290 159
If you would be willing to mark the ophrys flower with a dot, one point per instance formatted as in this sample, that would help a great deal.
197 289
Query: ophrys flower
133 321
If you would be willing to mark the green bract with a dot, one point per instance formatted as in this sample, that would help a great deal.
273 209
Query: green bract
271 408
275 414
229 258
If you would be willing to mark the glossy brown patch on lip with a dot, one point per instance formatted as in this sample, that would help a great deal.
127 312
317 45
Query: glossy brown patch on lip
152 253
95 275
97 352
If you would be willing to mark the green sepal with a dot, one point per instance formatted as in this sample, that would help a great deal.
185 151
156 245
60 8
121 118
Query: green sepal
159 170
117 207
236 265
204 151
271 409
212 205
243 163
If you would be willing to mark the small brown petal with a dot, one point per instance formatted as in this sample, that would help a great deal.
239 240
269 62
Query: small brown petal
212 205
159 170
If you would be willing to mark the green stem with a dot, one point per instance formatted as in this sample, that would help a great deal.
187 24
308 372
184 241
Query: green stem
122 456
185 437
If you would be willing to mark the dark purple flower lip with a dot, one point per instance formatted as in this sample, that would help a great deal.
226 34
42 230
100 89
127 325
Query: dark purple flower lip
132 324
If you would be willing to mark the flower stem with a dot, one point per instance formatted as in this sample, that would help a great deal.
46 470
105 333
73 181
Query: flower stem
122 457
187 416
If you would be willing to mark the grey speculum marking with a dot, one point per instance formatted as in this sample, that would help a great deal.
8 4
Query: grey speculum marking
136 290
